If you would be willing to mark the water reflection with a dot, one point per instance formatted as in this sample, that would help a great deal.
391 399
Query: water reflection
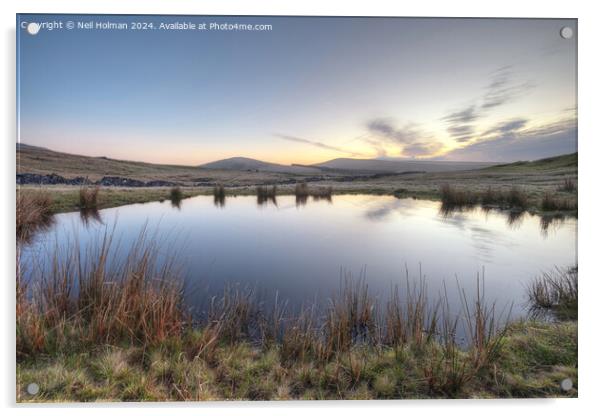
219 196
551 222
514 218
266 195
219 200
176 203
301 252
90 215
301 199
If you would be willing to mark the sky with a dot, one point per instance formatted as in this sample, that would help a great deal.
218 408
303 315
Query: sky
308 90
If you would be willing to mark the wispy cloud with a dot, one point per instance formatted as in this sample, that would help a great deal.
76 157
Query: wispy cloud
506 127
513 140
316 144
410 138
462 116
501 89
386 128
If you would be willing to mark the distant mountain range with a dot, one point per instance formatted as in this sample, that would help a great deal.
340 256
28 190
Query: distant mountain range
346 164
63 161
399 166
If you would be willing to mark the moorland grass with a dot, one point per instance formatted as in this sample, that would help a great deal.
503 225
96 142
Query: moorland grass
514 198
533 360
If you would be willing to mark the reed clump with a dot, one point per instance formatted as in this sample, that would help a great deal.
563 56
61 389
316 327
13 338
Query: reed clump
175 194
88 197
455 197
568 185
219 195
33 211
77 299
555 292
266 194
303 192
515 198
551 202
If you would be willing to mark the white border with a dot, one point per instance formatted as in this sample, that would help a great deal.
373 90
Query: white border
589 196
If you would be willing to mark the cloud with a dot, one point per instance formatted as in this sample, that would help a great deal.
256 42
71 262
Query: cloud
422 149
511 141
462 116
385 128
461 134
316 144
410 138
507 127
503 88
459 127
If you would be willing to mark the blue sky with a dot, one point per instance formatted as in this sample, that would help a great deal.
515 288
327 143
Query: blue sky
308 90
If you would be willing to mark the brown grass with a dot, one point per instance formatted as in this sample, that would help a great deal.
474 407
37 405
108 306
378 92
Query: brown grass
33 211
88 197
303 192
266 194
451 196
568 185
219 195
95 299
515 198
551 202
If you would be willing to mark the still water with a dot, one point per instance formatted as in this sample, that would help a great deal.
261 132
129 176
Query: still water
301 251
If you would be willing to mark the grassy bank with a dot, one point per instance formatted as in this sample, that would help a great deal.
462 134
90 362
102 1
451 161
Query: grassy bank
68 199
533 360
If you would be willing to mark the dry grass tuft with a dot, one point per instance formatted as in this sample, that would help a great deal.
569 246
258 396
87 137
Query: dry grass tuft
555 292
94 298
88 197
33 212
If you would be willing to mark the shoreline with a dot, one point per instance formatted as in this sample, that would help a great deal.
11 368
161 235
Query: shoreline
65 198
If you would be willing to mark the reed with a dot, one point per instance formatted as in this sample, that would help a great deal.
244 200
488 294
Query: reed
303 192
219 195
93 297
175 194
555 292
568 185
550 202
33 212
110 295
515 198
454 197
88 197
266 194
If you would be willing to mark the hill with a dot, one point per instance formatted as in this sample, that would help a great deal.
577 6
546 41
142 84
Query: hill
549 163
39 160
399 166
248 164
